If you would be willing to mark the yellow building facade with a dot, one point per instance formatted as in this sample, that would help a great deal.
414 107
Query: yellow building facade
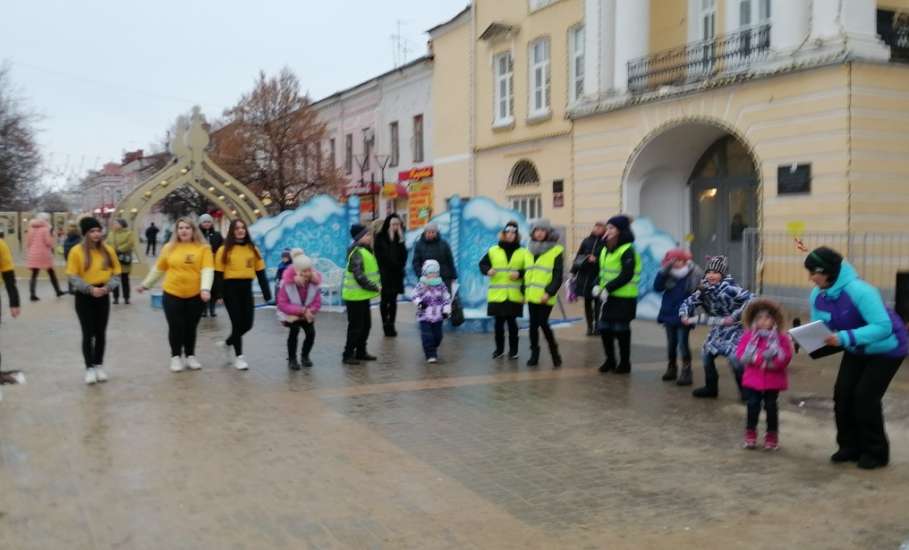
734 126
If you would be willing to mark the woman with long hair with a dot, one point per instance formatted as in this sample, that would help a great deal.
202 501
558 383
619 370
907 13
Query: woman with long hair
93 271
237 263
188 269
123 240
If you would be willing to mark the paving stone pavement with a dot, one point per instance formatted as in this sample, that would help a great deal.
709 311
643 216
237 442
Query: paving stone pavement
468 453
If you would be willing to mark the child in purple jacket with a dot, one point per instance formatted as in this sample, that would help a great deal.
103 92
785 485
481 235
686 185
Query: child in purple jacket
433 303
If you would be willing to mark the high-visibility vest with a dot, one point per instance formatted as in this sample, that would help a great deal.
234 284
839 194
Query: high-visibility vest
611 267
501 287
538 275
352 290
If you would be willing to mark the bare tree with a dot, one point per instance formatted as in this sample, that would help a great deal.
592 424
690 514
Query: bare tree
20 158
271 140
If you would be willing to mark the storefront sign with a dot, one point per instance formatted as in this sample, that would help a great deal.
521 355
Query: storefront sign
415 174
793 179
419 206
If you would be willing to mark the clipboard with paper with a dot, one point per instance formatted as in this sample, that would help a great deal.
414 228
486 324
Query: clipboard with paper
812 337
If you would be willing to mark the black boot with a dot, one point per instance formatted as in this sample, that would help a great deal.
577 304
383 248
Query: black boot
556 358
711 386
609 347
389 329
534 357
305 361
685 375
512 347
292 364
32 288
624 339
672 372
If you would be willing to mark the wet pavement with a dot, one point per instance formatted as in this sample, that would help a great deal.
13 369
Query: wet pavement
468 453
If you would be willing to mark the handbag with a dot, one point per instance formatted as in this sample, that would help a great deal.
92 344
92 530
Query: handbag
457 312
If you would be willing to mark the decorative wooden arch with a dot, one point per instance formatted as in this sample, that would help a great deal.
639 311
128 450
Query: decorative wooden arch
193 167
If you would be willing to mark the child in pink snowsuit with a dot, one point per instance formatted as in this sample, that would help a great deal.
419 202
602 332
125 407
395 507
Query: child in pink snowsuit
766 350
298 302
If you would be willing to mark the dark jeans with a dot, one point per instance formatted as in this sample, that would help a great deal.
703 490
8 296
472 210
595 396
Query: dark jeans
124 284
860 386
712 377
182 316
150 248
388 307
93 314
769 399
359 324
238 301
309 330
539 320
677 342
512 334
33 283
591 309
431 335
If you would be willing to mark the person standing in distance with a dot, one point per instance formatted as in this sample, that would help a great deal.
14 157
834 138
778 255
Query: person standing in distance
214 238
151 239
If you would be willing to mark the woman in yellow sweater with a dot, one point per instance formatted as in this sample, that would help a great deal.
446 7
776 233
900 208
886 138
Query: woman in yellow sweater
188 269
237 263
93 271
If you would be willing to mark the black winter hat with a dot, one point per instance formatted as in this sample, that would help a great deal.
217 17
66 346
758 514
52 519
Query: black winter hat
824 260
620 222
87 224
358 231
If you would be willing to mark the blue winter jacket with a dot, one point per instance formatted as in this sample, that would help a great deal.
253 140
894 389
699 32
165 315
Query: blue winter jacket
674 294
856 311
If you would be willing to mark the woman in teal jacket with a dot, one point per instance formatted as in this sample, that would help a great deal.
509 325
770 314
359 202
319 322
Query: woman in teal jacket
874 341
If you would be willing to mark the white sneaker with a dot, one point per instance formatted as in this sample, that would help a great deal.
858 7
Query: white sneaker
227 350
432 360
240 363
192 363
100 375
90 376
176 363
19 377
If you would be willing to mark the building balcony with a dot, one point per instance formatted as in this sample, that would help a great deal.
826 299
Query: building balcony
699 61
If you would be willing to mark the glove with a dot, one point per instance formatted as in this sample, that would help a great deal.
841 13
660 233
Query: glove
597 291
446 309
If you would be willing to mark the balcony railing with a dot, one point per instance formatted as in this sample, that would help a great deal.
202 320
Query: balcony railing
699 61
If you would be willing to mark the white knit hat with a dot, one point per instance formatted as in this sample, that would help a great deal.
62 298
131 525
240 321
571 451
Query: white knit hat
302 262
294 252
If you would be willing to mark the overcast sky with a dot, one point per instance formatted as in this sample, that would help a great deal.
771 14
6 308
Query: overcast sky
112 76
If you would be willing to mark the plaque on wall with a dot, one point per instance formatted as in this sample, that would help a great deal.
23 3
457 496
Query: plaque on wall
793 179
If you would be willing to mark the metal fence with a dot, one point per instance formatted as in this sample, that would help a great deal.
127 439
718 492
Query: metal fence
774 267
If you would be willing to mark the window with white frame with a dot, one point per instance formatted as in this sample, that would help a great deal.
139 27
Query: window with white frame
504 91
418 138
530 206
753 12
707 19
539 77
576 63
395 144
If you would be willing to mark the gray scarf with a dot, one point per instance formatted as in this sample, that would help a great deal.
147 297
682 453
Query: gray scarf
540 247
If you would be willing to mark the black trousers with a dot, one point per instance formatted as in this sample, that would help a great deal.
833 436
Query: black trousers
591 308
182 316
860 385
33 283
770 401
539 320
512 323
388 307
309 330
238 300
359 324
124 284
150 248
93 314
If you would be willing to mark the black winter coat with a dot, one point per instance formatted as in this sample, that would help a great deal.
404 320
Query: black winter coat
586 272
438 250
214 238
392 258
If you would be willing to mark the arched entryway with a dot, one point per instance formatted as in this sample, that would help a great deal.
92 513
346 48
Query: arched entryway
698 182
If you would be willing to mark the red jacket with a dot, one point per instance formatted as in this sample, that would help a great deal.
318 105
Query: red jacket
775 376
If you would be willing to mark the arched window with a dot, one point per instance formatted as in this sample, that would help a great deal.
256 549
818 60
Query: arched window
523 173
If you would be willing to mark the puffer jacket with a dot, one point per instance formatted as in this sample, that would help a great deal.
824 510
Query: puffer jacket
773 377
39 245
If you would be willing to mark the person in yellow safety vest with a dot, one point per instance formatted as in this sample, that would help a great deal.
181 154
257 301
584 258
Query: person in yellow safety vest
542 280
361 284
620 273
504 264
